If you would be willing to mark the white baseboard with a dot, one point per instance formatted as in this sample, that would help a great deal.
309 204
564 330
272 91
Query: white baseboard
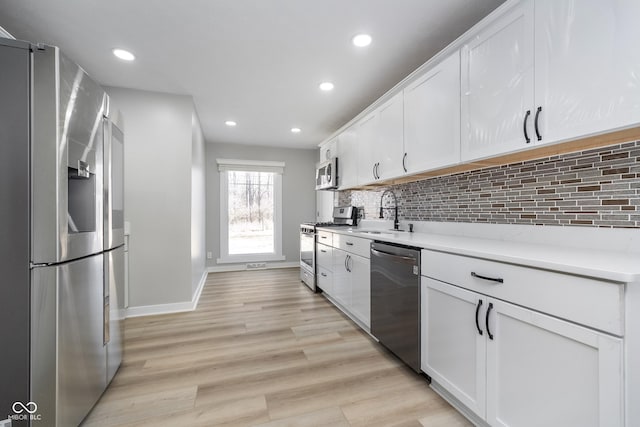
243 267
176 307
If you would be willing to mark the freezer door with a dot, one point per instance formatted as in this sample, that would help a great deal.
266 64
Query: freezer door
81 351
69 339
67 159
114 308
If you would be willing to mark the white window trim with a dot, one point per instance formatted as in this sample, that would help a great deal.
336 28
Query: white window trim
225 165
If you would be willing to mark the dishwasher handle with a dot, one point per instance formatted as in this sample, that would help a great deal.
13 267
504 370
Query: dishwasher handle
379 252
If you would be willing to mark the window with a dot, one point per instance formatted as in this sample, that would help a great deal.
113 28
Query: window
250 211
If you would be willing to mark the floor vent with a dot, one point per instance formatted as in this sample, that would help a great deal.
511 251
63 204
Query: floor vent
256 265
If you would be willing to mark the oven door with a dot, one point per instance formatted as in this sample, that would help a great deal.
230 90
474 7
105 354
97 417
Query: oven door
308 256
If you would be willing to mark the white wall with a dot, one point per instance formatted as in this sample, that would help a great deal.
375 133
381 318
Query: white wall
198 204
159 140
298 192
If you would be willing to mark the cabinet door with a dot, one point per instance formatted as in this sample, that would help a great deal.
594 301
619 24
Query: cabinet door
329 149
324 256
324 205
453 348
367 140
325 280
388 151
542 371
360 288
432 118
347 158
587 66
341 278
497 85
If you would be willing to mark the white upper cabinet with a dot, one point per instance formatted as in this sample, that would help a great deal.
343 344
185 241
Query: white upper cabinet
329 149
380 142
587 63
550 71
497 85
388 152
347 159
432 118
368 138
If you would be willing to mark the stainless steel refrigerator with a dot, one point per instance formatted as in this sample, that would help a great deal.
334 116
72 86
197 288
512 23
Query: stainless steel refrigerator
61 241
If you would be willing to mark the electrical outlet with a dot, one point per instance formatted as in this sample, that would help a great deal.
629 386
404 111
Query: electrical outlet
209 256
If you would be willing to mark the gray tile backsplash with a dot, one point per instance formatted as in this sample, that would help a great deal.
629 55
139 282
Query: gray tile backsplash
598 188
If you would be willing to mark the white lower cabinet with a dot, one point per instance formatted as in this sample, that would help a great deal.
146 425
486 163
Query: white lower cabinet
341 278
512 366
360 288
453 352
344 276
352 284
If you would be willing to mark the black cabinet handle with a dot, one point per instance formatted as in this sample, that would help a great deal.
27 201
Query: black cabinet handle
524 126
477 312
322 250
535 122
349 243
323 274
377 173
486 321
345 262
491 279
323 237
374 171
403 162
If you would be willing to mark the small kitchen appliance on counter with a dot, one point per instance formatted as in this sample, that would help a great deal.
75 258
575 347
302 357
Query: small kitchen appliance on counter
343 216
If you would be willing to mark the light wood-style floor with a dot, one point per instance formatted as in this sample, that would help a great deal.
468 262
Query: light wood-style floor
262 350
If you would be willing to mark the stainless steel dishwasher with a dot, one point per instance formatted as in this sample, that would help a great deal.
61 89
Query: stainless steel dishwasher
395 300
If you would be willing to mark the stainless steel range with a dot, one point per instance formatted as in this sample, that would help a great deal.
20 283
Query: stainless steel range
343 216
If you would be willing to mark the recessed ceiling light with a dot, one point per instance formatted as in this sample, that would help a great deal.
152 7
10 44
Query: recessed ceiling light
125 55
295 130
230 123
362 40
326 86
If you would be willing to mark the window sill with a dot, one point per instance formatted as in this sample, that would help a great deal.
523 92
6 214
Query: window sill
235 259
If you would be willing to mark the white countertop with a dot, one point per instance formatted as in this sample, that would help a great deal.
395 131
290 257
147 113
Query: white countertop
613 265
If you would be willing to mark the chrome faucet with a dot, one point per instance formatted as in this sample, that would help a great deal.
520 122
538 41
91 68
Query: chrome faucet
396 223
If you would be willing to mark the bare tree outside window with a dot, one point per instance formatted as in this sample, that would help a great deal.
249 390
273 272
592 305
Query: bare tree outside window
251 212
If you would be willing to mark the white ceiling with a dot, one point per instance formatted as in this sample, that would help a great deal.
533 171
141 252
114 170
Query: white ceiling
258 62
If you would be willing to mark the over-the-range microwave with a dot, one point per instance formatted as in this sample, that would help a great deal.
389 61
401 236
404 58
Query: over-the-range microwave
327 174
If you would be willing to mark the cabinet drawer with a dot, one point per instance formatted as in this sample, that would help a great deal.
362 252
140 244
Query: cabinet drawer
589 302
354 245
324 256
325 237
325 280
